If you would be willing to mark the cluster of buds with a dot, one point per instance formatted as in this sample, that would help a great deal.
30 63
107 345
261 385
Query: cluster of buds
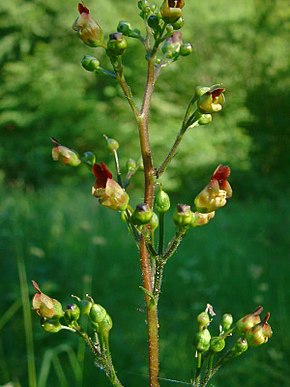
54 318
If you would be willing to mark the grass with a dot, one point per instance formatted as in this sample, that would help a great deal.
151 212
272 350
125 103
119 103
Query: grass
69 245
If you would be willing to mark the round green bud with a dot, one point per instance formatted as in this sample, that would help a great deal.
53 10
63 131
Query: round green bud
106 324
72 312
202 340
117 44
203 319
178 23
227 321
185 49
183 215
90 63
89 158
240 346
142 214
124 27
85 307
169 29
131 165
153 21
112 144
205 119
97 313
217 344
51 326
162 201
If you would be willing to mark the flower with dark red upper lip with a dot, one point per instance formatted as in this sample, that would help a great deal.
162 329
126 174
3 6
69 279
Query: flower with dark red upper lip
171 10
210 99
107 190
64 154
216 193
44 305
87 28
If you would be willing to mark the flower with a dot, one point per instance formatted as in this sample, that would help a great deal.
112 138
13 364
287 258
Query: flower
260 333
64 155
44 305
107 190
210 99
216 193
87 28
171 10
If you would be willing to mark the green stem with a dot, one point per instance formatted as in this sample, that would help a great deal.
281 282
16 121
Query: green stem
159 269
198 370
174 243
161 234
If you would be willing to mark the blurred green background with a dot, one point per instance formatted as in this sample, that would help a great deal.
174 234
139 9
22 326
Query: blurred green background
53 229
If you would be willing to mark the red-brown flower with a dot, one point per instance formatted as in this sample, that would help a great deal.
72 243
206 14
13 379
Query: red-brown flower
87 28
44 305
107 190
216 193
171 10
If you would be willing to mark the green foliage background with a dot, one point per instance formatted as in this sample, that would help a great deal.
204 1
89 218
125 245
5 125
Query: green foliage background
236 262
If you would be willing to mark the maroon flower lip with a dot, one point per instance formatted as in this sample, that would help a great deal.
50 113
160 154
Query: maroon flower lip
102 174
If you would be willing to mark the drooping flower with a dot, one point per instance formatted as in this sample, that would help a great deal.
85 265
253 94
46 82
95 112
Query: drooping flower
260 333
46 306
216 193
107 190
87 28
64 155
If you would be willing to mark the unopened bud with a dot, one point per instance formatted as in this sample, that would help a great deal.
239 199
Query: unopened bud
125 28
142 214
131 165
90 63
117 44
240 346
227 321
112 144
178 23
202 340
217 344
97 313
51 326
154 222
89 158
183 215
203 320
205 119
162 201
85 307
153 21
72 313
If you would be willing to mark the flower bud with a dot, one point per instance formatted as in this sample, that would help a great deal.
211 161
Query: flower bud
202 340
131 165
112 144
171 10
211 100
203 320
205 119
89 158
240 346
249 321
183 215
85 307
44 305
87 28
154 222
51 326
227 321
217 344
162 201
117 44
171 46
64 155
125 28
72 313
97 313
185 49
90 63
178 23
142 214
106 324
153 21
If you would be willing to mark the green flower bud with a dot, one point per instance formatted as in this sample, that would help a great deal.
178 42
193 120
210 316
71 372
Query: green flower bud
185 49
125 28
249 321
178 23
131 165
89 158
162 201
205 119
203 319
183 215
154 222
227 321
217 344
72 313
240 346
97 313
202 340
117 44
142 214
90 63
153 21
85 307
112 144
51 326
106 324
